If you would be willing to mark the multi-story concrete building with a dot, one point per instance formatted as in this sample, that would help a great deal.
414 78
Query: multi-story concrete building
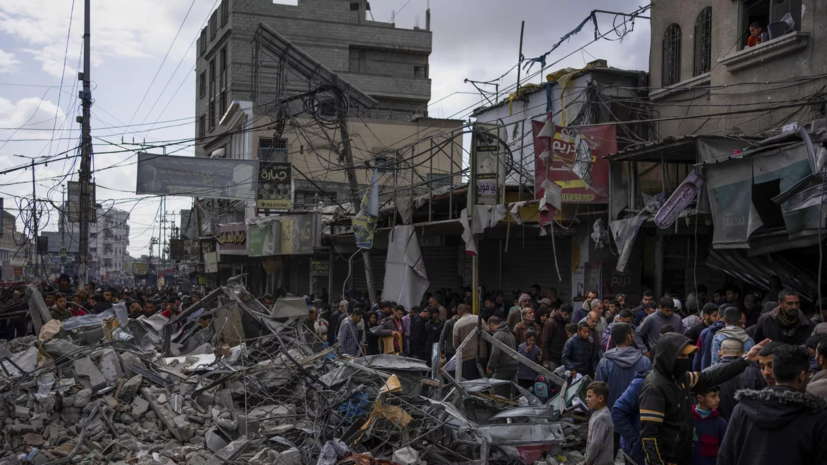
14 247
108 245
259 72
716 97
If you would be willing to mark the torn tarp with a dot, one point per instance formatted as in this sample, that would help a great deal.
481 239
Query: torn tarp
625 231
406 279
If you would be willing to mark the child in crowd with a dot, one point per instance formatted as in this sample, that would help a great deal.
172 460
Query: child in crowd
709 427
600 442
529 350
571 330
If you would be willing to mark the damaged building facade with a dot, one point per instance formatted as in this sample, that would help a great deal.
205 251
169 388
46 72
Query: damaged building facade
265 92
725 189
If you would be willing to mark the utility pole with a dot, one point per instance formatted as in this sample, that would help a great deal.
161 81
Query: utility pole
34 220
63 231
86 148
351 177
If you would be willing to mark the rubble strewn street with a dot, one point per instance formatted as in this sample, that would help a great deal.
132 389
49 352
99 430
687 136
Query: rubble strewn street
269 399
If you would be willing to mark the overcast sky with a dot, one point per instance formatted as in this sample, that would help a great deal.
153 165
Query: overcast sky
132 40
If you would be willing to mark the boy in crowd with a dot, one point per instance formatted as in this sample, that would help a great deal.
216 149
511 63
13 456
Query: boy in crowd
529 350
600 441
709 427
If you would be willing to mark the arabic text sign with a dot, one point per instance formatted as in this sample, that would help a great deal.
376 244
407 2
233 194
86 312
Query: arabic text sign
489 160
232 239
577 162
274 189
197 177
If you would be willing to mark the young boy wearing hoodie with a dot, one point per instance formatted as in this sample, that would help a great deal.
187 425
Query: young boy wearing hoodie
709 427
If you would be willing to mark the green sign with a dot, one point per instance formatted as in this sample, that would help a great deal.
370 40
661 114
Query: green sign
261 238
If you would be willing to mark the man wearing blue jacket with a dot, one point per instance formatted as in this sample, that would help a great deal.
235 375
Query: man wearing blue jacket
626 419
703 359
618 366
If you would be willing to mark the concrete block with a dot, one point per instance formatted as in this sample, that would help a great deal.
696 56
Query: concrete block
88 374
110 365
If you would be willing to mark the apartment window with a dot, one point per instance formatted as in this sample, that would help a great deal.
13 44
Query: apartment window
271 150
354 6
769 14
203 41
213 24
212 115
202 127
421 71
703 42
672 55
222 61
225 11
212 78
222 103
202 84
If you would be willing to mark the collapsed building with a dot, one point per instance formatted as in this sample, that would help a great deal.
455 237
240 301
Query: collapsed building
229 381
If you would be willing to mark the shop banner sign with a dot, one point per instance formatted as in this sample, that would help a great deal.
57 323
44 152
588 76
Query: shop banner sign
574 159
263 237
232 239
319 268
298 234
275 189
489 163
211 262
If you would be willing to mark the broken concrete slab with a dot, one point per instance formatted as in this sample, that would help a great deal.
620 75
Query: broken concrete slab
33 439
88 374
110 365
57 348
22 412
82 398
139 407
130 388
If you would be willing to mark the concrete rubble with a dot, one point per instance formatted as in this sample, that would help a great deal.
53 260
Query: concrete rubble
266 392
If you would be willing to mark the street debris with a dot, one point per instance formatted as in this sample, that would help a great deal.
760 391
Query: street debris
257 386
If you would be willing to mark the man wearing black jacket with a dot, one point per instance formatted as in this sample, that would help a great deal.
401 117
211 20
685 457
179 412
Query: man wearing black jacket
709 315
780 424
419 346
786 323
433 331
666 419
732 349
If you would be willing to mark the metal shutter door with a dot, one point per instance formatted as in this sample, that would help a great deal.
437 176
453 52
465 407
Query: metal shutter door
534 264
489 265
358 279
302 271
441 264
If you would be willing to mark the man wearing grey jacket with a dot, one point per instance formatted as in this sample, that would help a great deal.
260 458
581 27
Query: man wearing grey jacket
648 333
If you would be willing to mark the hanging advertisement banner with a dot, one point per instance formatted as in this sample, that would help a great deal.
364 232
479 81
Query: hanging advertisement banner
489 163
364 224
263 237
216 178
299 234
211 262
573 158
232 239
274 191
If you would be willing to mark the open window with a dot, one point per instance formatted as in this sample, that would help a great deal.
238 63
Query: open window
775 17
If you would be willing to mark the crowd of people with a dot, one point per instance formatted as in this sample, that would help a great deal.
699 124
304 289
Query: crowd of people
726 378
65 299
703 380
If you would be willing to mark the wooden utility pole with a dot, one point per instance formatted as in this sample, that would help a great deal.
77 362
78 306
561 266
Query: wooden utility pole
86 149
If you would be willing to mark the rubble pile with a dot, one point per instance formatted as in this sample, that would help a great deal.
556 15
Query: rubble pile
256 386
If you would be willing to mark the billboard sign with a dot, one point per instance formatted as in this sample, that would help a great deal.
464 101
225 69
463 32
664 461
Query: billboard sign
140 268
274 191
216 178
576 161
263 237
319 268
